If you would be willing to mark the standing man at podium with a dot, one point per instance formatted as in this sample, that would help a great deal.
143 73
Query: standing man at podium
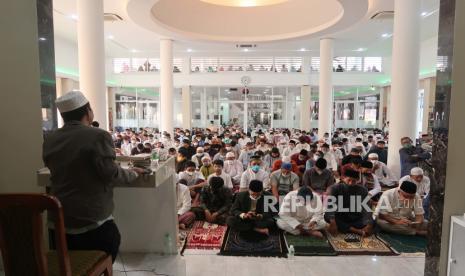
83 174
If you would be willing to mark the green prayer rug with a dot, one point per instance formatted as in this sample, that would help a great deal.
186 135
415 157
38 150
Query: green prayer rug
310 246
404 243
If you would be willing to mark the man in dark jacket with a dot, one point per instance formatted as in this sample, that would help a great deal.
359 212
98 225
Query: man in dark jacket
215 201
410 156
380 150
83 172
249 211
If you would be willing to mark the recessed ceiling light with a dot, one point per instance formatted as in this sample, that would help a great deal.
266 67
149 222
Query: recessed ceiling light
110 37
424 14
73 17
302 49
361 49
189 50
386 35
42 38
246 50
133 51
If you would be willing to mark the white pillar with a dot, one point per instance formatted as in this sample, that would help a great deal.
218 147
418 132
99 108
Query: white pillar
186 108
166 85
91 54
405 67
305 106
326 87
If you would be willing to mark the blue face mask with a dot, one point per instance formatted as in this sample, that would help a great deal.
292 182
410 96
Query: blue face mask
255 168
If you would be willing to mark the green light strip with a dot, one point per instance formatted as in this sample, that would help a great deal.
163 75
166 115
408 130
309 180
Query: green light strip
74 73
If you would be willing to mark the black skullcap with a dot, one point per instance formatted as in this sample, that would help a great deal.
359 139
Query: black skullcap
305 192
303 152
354 150
325 146
367 164
256 186
186 141
321 163
216 182
352 174
274 150
408 187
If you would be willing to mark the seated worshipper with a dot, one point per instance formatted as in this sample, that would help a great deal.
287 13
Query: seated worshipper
318 178
358 220
207 168
400 211
290 149
248 212
194 180
218 172
221 155
330 158
283 181
382 171
301 213
423 185
126 146
314 157
300 159
187 149
354 153
286 159
215 201
246 154
270 158
380 150
410 156
139 149
180 162
254 172
197 158
369 180
233 168
354 164
185 217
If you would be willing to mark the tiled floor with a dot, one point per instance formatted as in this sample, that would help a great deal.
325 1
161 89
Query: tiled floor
202 265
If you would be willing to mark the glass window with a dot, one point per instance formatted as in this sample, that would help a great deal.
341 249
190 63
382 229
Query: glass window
354 64
339 64
372 64
232 93
315 64
121 65
288 64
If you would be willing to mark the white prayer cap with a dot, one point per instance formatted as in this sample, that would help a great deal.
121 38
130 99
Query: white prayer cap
416 171
230 154
206 157
286 159
358 144
373 155
71 101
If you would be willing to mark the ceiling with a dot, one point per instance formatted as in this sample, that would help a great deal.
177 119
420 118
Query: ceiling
352 32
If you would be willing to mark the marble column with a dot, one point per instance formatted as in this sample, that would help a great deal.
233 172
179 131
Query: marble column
446 173
405 67
91 53
305 112
166 85
186 107
325 108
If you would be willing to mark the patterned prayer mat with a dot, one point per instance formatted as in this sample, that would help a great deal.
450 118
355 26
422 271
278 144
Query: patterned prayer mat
309 246
254 244
371 245
205 236
403 243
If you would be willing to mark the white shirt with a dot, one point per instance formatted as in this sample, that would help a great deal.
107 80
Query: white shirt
304 146
422 187
391 204
331 161
126 149
191 179
226 178
183 194
384 174
249 175
243 141
288 151
234 169
296 214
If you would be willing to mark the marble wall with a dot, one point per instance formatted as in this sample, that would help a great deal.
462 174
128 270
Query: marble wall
47 63
440 127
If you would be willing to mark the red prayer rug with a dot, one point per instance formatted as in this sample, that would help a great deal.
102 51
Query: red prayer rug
205 236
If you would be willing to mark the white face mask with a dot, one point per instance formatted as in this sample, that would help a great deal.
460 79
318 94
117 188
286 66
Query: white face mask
252 198
374 162
228 148
190 173
316 157
199 154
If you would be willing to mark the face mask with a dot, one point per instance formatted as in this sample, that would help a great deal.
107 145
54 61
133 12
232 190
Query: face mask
316 157
374 162
301 158
255 168
199 154
133 142
230 162
190 173
195 144
406 145
253 198
206 164
228 148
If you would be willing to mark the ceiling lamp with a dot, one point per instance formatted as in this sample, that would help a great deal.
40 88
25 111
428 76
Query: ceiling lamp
244 3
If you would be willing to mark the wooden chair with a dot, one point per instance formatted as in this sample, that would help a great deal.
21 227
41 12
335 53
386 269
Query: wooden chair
22 246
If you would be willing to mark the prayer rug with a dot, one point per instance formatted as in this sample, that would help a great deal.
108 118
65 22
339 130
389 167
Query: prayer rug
205 236
254 244
371 245
404 244
310 246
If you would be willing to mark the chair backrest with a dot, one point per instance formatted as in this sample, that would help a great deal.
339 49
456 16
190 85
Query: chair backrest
21 234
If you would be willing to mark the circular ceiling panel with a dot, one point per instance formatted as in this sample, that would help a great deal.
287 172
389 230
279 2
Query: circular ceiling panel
230 21
244 3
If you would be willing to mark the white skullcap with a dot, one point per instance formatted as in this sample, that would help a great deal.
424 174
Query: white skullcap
230 154
358 144
206 157
416 171
286 159
71 101
200 148
373 155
